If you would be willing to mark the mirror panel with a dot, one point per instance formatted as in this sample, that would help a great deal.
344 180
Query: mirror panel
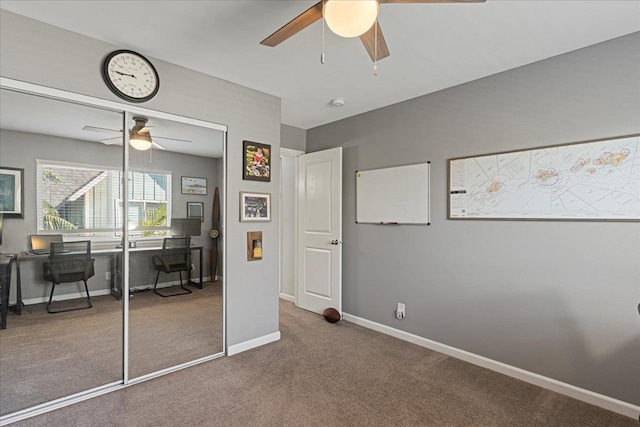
171 194
68 178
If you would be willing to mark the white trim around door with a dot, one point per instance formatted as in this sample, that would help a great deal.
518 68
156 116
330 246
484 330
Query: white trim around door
289 153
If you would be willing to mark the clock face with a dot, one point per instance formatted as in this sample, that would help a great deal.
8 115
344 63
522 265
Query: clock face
130 76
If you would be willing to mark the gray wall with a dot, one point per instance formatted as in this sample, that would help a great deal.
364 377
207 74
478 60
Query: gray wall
293 137
555 298
20 150
38 53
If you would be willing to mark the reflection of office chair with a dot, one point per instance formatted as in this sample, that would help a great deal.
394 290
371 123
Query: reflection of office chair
69 262
175 256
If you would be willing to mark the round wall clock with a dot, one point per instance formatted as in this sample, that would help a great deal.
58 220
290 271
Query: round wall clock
130 76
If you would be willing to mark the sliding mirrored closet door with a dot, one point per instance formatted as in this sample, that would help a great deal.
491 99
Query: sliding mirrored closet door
126 203
59 169
175 303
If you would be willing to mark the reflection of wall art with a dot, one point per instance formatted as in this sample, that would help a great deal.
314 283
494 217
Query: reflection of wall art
12 192
191 185
256 161
255 207
195 210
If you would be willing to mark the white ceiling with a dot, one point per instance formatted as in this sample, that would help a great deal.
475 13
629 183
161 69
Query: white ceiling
433 46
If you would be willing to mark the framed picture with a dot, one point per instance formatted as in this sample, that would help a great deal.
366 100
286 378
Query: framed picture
255 207
256 161
579 181
195 210
192 185
12 192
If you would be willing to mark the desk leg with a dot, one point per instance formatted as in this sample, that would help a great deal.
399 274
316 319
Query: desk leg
116 277
18 287
4 309
5 272
193 282
201 249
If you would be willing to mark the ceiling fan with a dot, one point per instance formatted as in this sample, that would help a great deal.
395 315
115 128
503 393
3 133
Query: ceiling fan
355 18
139 136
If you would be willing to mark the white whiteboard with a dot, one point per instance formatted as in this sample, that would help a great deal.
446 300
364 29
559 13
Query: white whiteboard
397 195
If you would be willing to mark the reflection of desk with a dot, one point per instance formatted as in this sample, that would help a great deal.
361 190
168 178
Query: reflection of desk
5 284
116 287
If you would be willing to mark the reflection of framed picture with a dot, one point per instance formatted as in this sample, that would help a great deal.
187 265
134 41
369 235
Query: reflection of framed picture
195 210
255 207
192 185
256 161
12 192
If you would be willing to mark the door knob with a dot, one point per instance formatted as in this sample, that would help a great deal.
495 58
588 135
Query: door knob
335 242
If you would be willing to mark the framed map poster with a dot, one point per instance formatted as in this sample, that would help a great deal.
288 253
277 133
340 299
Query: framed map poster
593 180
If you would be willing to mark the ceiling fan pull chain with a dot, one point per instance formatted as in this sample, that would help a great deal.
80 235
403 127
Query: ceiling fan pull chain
322 53
375 48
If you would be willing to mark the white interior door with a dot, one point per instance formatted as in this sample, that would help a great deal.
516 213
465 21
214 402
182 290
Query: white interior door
320 230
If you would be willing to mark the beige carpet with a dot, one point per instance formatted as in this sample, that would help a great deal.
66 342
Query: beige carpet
47 356
322 374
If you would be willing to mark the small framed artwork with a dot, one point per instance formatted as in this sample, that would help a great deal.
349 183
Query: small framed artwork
193 185
195 210
255 207
256 161
11 192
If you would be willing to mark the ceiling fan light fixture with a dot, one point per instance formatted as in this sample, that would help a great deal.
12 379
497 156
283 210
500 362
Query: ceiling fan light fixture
350 18
140 141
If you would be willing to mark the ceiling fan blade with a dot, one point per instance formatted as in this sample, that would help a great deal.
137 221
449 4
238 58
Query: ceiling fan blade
155 144
431 1
101 130
171 139
112 141
298 23
369 42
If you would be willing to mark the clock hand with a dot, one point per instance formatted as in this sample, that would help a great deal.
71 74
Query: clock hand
125 74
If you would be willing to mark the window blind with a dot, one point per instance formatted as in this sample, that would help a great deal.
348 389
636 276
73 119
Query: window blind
87 199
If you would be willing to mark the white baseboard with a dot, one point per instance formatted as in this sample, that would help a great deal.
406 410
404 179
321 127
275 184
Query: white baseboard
287 297
578 393
256 342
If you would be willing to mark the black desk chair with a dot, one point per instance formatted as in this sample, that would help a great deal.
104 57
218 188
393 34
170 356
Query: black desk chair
175 256
69 262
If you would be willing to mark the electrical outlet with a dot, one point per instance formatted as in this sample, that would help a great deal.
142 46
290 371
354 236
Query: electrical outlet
193 267
401 311
107 275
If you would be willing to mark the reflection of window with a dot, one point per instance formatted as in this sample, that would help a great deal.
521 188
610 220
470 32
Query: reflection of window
88 200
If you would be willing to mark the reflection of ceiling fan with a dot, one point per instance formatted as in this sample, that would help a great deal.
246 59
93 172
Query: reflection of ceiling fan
357 18
139 136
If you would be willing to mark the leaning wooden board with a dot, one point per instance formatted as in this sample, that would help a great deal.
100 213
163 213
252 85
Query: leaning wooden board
214 234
